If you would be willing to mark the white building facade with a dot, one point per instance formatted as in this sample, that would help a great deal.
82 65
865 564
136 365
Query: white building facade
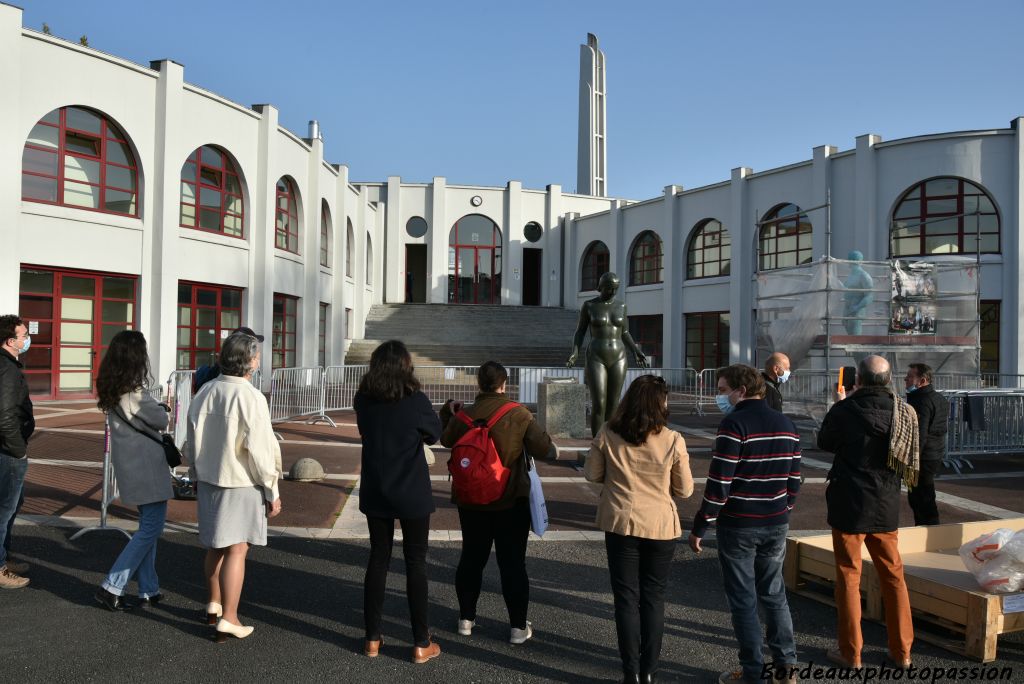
131 198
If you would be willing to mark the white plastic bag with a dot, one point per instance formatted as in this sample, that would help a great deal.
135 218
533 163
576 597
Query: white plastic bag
538 507
975 552
996 560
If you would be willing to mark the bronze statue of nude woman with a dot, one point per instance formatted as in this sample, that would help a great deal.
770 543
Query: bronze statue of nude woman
605 370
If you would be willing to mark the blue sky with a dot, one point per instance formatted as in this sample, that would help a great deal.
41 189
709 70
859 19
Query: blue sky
486 92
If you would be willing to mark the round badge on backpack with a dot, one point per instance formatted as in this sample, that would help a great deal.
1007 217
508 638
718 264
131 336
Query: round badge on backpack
464 463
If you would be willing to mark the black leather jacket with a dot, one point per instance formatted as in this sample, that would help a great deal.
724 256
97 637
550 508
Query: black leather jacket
16 421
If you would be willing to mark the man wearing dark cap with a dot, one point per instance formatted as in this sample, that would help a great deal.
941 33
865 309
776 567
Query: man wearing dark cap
205 374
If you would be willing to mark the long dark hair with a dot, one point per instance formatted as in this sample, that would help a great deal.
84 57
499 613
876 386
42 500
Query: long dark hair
124 369
643 410
390 377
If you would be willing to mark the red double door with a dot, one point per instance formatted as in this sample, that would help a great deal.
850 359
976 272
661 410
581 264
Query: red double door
71 316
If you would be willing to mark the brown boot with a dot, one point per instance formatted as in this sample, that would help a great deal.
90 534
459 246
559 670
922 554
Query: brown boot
422 655
10 580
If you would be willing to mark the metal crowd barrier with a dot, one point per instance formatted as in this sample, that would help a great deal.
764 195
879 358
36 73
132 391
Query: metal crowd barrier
340 385
109 492
1001 414
298 393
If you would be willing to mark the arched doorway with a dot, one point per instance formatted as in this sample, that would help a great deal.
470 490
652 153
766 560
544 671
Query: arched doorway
474 261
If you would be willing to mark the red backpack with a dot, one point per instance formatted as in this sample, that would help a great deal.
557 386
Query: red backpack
478 475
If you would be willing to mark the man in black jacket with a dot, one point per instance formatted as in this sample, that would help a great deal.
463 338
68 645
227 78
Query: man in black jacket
16 426
863 498
932 418
775 373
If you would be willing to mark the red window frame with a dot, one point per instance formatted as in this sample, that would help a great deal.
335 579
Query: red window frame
286 216
646 332
226 305
325 235
488 253
103 328
321 331
932 211
645 259
707 339
596 259
285 325
105 140
209 173
710 251
786 221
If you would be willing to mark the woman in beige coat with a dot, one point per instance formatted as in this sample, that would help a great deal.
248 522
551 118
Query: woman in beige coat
642 465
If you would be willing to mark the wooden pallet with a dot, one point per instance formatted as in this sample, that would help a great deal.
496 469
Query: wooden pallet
943 594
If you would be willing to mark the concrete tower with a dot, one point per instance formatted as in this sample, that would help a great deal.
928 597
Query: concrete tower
592 158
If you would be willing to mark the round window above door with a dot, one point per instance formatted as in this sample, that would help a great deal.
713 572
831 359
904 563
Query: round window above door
532 231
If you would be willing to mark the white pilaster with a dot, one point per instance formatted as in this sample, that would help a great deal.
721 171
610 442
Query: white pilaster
512 243
871 229
393 253
673 271
12 128
549 280
260 231
309 332
438 241
821 181
158 296
743 223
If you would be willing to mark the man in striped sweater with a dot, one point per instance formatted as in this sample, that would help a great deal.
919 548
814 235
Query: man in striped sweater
752 485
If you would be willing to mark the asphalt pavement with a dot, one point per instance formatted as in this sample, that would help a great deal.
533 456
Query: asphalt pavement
304 597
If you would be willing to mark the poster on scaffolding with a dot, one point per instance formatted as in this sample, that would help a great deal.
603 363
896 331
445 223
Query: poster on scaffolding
913 305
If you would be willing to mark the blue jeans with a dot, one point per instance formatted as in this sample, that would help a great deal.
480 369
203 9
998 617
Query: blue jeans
138 558
751 560
12 495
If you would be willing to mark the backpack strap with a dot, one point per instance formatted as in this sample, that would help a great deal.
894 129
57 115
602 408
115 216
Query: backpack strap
464 417
500 413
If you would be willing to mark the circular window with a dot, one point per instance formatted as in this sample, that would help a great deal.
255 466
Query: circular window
532 231
416 227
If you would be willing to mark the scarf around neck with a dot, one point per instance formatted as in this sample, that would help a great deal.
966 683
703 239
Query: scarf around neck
904 442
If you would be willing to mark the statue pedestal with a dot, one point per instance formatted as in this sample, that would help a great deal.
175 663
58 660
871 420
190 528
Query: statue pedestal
562 408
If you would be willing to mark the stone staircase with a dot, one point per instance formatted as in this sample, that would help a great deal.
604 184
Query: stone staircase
461 335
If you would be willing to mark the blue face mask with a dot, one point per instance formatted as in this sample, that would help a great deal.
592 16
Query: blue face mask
911 389
724 405
24 347
784 377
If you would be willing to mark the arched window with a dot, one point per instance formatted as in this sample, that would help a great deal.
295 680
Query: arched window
474 261
286 214
594 265
350 250
944 216
710 251
325 234
211 193
75 157
645 259
785 238
369 259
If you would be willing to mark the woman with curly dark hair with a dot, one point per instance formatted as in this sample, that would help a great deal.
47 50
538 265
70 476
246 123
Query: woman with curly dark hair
395 419
135 420
641 464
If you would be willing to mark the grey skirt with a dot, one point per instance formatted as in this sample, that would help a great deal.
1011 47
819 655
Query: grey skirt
231 515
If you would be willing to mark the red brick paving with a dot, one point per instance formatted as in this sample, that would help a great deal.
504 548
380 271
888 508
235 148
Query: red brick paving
74 491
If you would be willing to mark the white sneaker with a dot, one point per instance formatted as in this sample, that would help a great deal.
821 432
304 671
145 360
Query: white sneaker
466 627
520 636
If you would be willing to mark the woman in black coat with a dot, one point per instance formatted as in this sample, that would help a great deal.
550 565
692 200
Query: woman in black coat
395 419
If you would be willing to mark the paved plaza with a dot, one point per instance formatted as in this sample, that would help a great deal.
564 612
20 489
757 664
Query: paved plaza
304 590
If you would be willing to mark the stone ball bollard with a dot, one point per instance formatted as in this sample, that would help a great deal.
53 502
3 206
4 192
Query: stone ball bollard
306 470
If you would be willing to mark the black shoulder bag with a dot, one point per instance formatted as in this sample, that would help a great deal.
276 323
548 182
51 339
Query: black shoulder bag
171 452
